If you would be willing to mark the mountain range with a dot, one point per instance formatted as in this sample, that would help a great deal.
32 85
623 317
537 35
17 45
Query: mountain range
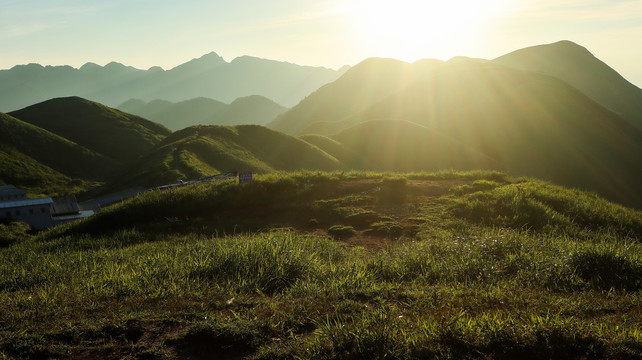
255 110
533 123
518 113
208 76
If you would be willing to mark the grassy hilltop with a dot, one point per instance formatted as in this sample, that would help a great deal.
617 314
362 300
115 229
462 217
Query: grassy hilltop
343 265
118 135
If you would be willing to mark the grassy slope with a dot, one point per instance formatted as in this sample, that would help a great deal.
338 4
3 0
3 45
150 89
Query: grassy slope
451 265
53 151
107 131
390 145
534 124
23 171
200 151
335 149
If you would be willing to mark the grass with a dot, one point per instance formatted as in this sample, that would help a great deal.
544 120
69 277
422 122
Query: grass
24 171
456 284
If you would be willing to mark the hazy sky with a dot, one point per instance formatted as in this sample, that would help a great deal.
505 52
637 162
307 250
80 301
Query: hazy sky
331 33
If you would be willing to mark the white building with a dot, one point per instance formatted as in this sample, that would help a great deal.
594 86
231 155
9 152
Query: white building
41 213
35 212
10 193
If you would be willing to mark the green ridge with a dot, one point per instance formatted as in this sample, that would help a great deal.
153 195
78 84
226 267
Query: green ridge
53 151
107 131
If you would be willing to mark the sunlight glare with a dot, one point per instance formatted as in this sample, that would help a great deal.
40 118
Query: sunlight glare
406 24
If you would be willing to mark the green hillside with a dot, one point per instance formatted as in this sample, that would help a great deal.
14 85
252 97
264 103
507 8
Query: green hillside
335 149
392 145
342 265
107 131
23 171
200 151
578 67
533 124
24 142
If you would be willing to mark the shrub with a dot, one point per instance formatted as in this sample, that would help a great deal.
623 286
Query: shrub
341 231
605 268
387 228
477 185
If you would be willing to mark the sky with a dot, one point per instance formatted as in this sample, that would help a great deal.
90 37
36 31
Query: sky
329 33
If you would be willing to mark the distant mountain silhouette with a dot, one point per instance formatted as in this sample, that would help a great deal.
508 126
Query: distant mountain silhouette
208 76
250 110
110 132
579 68
175 116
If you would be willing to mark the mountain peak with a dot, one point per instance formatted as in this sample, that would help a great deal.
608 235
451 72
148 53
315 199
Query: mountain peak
115 65
212 57
566 44
89 66
209 60
30 66
155 69
562 50
247 59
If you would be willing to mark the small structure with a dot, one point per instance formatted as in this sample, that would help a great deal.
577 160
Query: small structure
65 209
244 177
35 212
40 213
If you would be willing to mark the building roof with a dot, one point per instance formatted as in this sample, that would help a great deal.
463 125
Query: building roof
80 215
63 205
25 202
6 195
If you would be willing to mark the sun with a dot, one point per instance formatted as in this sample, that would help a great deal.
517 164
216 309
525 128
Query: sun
407 25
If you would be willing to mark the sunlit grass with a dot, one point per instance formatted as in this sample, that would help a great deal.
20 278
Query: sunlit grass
462 285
